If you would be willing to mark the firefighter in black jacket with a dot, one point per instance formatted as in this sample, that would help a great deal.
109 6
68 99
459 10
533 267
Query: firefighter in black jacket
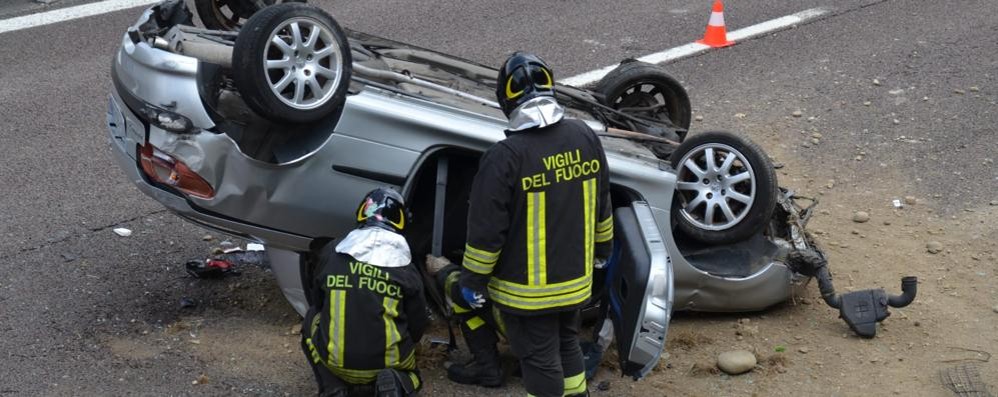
539 219
367 309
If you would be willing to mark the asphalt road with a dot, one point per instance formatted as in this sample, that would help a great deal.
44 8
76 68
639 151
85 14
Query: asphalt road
69 287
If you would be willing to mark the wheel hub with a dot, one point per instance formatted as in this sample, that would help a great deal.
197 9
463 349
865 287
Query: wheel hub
716 185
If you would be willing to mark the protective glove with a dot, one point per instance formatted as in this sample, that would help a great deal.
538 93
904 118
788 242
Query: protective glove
599 263
475 299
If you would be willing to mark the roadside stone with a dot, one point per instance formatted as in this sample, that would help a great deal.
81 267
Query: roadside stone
993 203
934 247
975 89
797 113
861 217
816 135
887 223
867 103
896 121
876 82
201 379
910 200
698 118
122 232
995 309
736 362
925 98
959 91
803 350
815 141
858 158
739 115
207 237
295 329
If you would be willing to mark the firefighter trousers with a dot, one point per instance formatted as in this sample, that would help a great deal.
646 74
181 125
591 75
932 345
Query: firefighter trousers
547 346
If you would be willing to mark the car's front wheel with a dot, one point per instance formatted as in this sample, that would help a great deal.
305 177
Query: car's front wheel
292 63
726 187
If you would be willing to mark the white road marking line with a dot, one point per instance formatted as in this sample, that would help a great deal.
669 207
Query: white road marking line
69 13
694 48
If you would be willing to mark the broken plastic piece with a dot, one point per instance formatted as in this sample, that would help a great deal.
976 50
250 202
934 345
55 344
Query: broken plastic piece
210 268
255 247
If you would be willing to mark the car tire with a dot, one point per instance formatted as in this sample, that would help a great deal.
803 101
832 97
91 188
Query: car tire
639 84
726 188
292 63
229 14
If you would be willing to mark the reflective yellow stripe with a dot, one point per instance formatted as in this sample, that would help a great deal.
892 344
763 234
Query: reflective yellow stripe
474 322
589 218
575 384
604 230
480 254
540 303
415 380
312 352
542 250
409 363
476 266
355 376
392 337
337 326
545 290
531 234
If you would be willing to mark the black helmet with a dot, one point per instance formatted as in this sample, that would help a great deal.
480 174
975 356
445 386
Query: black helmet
523 77
384 208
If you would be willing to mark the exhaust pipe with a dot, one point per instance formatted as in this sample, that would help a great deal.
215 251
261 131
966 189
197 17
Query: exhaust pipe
861 310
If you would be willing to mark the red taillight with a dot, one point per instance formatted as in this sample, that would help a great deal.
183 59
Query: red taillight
165 169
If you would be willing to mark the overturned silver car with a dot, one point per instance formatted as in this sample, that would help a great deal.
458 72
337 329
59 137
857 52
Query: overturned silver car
272 131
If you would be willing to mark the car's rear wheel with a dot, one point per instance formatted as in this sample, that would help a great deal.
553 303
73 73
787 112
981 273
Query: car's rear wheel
726 188
229 14
646 91
293 63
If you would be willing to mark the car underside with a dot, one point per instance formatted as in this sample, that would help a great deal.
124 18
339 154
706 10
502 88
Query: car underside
272 132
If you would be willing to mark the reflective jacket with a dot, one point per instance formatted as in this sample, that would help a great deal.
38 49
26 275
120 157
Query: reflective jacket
363 318
539 209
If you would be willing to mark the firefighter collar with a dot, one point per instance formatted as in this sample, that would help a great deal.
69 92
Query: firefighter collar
377 246
538 112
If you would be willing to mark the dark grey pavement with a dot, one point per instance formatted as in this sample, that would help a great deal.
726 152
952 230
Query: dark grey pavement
75 298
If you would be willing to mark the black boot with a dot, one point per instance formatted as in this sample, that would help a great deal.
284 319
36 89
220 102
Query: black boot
483 370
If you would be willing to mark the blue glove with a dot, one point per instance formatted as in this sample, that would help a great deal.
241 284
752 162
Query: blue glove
475 299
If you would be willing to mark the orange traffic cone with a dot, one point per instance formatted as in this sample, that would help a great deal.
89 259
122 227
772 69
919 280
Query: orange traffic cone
716 35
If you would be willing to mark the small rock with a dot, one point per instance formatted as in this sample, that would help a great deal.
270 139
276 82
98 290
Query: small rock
739 115
910 200
67 257
995 309
858 158
122 232
698 118
993 203
959 91
806 144
736 362
917 323
295 329
876 82
975 89
854 231
816 135
925 98
797 113
815 141
803 350
603 386
201 379
188 303
867 103
887 223
207 237
861 217
896 121
934 247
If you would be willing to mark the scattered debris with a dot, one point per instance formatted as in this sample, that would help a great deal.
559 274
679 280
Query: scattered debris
122 232
975 88
698 118
910 200
934 247
295 329
876 82
736 362
67 257
201 379
995 309
897 203
959 91
861 217
803 350
188 303
896 121
797 113
211 268
207 237
867 103
703 369
739 115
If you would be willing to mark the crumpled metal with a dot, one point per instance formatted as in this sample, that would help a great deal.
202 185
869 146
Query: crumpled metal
537 112
376 246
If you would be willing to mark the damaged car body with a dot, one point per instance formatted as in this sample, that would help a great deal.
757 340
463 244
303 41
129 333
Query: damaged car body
277 153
